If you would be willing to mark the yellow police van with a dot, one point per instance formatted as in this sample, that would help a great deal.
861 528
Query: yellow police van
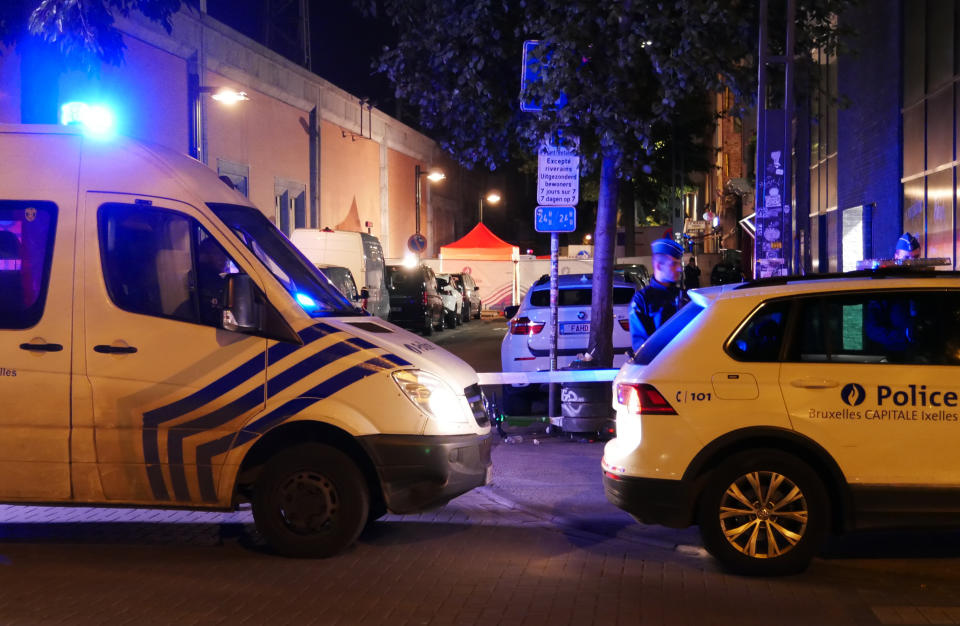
163 344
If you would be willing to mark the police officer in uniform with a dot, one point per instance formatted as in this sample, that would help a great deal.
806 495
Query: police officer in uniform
662 297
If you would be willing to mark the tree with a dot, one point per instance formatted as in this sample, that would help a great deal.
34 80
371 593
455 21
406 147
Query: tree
83 30
624 66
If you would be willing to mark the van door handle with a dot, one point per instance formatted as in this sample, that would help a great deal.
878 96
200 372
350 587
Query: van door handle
41 347
102 349
814 383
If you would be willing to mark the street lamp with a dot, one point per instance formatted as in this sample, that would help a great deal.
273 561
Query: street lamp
492 198
433 176
223 95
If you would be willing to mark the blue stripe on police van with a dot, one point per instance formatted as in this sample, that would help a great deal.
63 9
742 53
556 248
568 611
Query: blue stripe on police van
223 415
204 458
206 452
393 358
152 419
324 390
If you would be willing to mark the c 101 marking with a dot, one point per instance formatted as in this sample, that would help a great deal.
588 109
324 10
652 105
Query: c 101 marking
699 396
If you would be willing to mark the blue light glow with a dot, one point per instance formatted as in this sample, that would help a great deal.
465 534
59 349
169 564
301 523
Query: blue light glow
96 120
306 301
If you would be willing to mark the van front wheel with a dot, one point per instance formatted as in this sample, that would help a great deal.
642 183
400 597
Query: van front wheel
310 501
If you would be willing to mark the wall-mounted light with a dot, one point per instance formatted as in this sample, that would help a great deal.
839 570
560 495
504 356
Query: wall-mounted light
226 95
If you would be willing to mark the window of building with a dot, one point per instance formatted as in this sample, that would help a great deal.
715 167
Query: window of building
931 102
162 263
237 174
290 205
823 166
27 230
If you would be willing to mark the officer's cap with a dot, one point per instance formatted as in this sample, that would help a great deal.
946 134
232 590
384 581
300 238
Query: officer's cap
907 243
667 246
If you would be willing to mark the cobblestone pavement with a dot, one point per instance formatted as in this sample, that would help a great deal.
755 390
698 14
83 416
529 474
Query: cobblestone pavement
535 547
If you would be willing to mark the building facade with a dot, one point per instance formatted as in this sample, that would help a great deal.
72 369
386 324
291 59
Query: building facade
308 154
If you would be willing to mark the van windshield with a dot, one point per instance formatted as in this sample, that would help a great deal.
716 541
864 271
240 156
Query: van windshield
315 295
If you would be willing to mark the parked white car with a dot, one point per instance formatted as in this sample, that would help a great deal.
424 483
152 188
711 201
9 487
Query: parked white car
526 346
452 299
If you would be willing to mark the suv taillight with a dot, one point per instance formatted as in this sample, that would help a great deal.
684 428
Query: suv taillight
643 399
525 326
426 300
624 324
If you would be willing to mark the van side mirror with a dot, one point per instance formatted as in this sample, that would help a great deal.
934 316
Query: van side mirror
242 313
511 310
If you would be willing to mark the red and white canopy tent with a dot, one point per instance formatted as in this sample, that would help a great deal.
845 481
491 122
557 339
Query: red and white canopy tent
480 244
490 260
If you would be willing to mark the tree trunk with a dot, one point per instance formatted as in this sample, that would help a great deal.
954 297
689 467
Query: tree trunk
604 240
628 218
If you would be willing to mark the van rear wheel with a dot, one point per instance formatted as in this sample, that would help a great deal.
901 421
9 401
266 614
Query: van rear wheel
310 501
764 513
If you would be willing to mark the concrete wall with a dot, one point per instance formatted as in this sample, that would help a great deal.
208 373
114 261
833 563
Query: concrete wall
350 171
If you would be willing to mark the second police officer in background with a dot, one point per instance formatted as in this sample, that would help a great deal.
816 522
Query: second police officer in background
662 297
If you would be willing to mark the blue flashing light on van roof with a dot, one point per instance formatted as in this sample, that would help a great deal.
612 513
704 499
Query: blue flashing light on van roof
96 120
306 301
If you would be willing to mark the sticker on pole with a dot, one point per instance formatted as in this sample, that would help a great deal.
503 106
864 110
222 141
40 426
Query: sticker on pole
555 219
417 243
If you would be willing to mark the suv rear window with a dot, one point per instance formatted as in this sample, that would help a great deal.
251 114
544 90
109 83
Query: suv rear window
578 296
402 280
666 333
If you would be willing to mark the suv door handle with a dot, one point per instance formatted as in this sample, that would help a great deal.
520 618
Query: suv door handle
814 383
41 347
102 349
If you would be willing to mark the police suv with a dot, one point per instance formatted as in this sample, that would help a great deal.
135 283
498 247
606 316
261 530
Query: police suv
772 413
163 344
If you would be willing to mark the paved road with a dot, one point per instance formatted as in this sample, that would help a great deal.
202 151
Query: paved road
540 545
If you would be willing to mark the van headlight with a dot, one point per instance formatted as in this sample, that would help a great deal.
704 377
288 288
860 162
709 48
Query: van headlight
431 395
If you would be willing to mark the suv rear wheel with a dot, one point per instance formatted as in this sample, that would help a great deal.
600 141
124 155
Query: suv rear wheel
310 501
763 513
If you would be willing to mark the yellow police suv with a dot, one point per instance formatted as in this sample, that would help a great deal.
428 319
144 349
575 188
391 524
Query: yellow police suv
772 413
163 344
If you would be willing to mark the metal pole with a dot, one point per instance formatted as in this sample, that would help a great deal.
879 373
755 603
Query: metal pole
481 208
788 110
554 408
761 127
417 173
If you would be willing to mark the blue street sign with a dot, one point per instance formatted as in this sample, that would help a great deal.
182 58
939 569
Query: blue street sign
555 219
530 71
417 243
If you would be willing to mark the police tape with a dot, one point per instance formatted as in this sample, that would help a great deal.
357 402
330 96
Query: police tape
558 376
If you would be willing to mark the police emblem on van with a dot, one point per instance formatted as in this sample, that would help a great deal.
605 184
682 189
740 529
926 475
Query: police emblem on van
853 394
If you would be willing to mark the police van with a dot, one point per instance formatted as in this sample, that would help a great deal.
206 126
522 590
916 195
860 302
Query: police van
163 344
772 413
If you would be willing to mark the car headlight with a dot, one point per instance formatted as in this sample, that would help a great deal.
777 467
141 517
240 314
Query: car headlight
431 395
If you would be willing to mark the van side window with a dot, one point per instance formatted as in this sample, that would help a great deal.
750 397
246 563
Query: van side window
27 230
162 263
759 340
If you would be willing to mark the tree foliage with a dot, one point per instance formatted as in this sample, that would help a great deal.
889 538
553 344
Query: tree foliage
83 30
626 67
629 70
